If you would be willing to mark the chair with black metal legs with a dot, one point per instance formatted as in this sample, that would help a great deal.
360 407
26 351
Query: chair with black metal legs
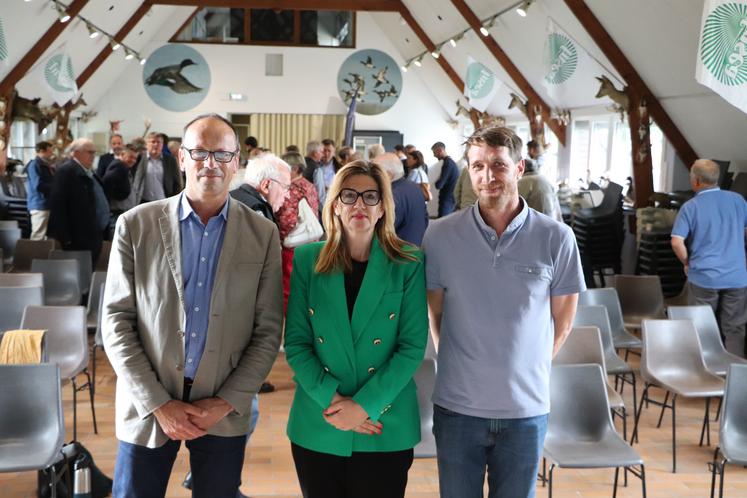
596 316
607 297
580 432
67 346
641 298
673 361
733 432
95 294
32 431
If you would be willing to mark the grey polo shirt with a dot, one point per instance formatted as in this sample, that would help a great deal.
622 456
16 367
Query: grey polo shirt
497 333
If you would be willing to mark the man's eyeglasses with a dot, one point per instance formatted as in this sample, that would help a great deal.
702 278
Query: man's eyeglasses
221 156
350 196
283 185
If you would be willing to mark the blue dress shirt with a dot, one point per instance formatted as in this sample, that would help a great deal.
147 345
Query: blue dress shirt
201 247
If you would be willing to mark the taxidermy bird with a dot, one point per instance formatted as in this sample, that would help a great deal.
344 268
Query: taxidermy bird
380 77
171 76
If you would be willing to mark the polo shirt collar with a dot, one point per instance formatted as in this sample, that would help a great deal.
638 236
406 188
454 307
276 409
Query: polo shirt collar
185 209
709 189
515 224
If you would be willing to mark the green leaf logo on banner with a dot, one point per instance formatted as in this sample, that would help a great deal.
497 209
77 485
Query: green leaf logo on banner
480 81
562 58
58 77
723 48
3 45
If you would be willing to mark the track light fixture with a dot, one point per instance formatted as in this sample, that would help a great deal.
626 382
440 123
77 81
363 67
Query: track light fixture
114 44
522 9
62 12
92 32
129 54
419 61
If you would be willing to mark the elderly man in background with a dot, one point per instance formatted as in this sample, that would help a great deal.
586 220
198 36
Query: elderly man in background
40 175
313 157
157 176
79 210
410 213
708 237
191 340
538 191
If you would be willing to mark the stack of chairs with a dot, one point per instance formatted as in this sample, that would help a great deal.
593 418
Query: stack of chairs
16 208
655 254
599 233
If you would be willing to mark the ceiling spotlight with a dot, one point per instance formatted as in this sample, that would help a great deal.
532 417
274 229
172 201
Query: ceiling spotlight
129 55
419 61
405 66
142 61
452 42
484 31
114 44
62 13
436 53
522 9
92 32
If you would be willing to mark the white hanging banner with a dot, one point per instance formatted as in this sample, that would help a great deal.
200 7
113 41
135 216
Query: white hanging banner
480 85
3 47
722 54
567 65
56 73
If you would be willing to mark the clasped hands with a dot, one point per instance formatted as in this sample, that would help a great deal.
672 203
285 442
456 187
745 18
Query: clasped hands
184 421
346 415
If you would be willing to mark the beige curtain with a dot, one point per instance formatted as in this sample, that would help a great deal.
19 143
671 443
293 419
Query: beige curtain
276 131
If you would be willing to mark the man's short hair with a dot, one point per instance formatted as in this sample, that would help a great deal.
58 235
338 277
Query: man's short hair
126 148
438 145
291 148
375 150
154 134
115 135
264 166
212 115
706 171
399 148
344 153
250 142
532 144
390 163
78 144
42 146
313 146
328 141
497 136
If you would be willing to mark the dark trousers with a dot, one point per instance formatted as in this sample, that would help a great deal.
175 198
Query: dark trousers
730 308
362 475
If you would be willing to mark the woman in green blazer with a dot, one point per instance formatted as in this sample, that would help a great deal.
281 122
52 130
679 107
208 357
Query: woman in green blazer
355 334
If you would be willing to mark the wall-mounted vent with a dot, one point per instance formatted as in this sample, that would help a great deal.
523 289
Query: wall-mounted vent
273 64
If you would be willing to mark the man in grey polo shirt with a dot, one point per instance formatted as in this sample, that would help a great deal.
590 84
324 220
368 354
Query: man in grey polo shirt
503 283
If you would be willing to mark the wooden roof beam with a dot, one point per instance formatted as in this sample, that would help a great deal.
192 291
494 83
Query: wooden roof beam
636 84
28 60
119 37
430 46
500 55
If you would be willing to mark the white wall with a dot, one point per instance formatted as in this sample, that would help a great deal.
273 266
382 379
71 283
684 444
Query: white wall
307 87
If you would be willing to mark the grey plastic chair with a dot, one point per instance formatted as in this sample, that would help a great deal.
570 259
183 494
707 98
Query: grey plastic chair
28 250
85 266
733 432
21 280
717 358
98 339
607 297
425 380
672 360
67 346
94 296
33 431
641 298
580 432
8 239
8 224
596 316
584 346
61 281
12 302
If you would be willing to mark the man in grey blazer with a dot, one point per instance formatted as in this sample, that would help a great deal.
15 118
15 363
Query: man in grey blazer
192 322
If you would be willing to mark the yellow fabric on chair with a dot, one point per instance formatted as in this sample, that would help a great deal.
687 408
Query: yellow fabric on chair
20 347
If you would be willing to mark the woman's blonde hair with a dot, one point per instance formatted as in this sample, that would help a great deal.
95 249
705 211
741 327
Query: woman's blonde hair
335 255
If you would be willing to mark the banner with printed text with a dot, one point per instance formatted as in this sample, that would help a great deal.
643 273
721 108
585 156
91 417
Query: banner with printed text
568 68
480 85
722 53
57 76
3 47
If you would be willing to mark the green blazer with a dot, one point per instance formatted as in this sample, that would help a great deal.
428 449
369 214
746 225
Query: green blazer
371 358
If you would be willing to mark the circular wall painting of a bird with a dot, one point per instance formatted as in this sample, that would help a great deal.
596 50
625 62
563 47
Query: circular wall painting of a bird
373 78
176 77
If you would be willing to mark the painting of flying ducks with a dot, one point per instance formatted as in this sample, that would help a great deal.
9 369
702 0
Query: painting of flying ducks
372 77
176 77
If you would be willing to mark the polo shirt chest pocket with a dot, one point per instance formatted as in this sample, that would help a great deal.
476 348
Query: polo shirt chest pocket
536 278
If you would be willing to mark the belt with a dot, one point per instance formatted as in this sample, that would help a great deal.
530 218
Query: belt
187 389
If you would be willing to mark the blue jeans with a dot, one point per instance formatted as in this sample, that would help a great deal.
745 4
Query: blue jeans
216 463
510 449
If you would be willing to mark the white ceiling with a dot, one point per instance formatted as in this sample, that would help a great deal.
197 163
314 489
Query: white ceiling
659 37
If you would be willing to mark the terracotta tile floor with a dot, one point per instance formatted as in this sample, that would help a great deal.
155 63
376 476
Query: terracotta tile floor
268 469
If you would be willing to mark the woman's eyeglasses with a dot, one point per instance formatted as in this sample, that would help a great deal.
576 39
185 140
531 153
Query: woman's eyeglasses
350 196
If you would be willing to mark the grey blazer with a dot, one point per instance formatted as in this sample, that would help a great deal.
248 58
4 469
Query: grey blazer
143 319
